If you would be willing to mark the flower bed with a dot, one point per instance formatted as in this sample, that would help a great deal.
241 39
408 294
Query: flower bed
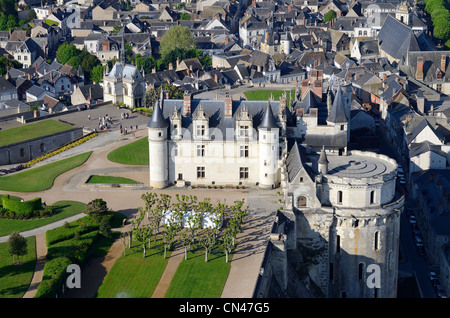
59 150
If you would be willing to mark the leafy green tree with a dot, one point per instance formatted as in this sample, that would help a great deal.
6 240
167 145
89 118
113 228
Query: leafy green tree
142 233
185 16
153 95
147 63
330 15
96 208
6 64
31 15
442 30
67 51
17 246
97 73
207 239
178 36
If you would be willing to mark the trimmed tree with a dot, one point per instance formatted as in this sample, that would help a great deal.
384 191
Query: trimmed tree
17 246
178 36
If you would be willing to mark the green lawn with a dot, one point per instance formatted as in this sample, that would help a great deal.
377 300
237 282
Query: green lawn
30 131
64 209
265 95
134 276
15 279
135 153
40 178
196 278
110 179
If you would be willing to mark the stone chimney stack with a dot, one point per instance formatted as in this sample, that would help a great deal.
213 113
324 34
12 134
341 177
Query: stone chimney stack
419 68
228 105
186 104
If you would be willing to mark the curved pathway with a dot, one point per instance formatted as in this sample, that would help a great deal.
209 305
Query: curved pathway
69 186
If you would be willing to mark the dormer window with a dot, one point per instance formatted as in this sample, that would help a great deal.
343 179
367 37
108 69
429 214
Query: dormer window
244 131
200 130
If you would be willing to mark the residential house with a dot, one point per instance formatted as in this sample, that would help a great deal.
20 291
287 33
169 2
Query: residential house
36 93
87 94
7 90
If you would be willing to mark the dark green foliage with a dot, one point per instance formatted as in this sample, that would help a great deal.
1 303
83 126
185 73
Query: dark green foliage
330 15
54 276
26 208
17 245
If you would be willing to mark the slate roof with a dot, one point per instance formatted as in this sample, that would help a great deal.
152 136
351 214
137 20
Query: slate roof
337 113
397 39
215 111
419 148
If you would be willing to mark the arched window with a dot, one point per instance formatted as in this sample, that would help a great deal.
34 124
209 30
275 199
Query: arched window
376 243
301 201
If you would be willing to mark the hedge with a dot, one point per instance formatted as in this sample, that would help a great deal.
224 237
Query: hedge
74 249
55 273
24 207
81 226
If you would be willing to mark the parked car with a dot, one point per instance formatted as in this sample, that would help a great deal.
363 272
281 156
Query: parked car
432 276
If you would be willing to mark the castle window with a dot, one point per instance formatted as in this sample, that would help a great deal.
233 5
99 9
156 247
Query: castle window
339 197
338 244
361 271
376 244
243 151
244 131
301 201
200 150
22 152
42 147
200 131
243 173
372 197
175 150
200 172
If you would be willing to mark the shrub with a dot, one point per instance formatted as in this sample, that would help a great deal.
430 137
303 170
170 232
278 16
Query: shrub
20 208
54 276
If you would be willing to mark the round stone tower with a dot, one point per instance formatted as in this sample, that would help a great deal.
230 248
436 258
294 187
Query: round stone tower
158 148
360 190
268 137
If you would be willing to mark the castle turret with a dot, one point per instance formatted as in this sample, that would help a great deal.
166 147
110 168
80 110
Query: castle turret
268 132
158 151
323 162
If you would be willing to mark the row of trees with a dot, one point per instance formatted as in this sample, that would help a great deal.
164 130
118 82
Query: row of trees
184 225
440 17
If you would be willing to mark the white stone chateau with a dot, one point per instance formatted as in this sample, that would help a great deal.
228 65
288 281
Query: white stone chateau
344 204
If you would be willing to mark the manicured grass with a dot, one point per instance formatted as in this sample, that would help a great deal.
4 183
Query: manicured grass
196 278
40 178
265 95
63 210
134 276
135 153
30 131
15 279
110 179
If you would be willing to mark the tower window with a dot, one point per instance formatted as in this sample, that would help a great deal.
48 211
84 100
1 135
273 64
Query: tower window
372 197
376 244
200 130
339 197
338 244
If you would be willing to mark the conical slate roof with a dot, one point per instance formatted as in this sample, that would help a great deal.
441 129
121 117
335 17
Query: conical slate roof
157 120
337 112
268 121
323 157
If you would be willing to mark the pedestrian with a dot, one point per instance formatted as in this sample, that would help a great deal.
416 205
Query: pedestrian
89 117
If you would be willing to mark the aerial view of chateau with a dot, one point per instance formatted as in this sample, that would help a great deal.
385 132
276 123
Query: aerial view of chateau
225 149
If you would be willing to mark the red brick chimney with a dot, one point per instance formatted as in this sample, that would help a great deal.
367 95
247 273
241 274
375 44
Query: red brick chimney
419 68
228 105
186 104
